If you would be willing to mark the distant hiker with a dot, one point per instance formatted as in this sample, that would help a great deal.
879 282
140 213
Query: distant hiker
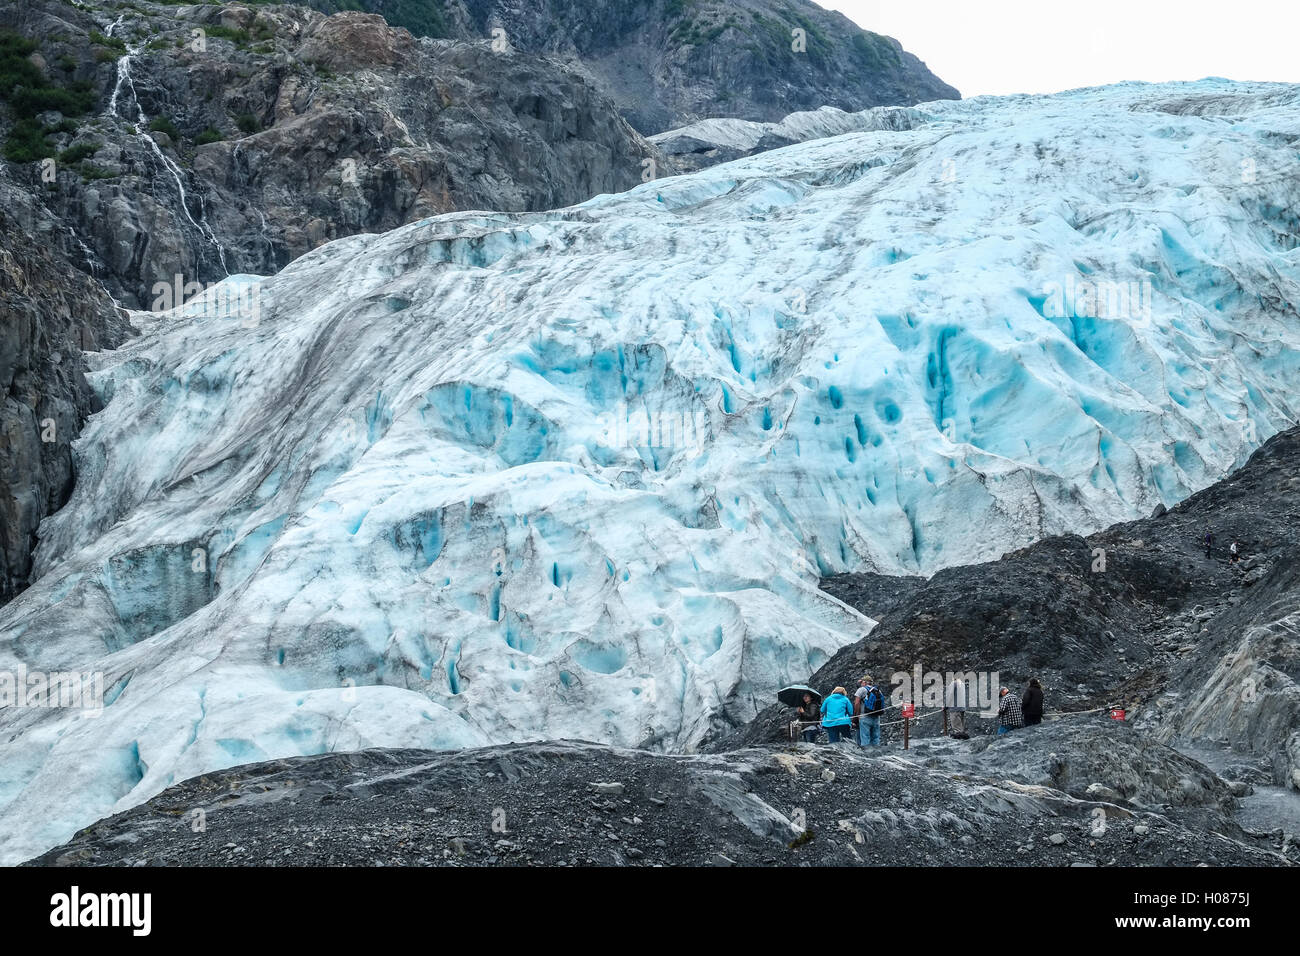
1009 716
1209 543
868 704
1032 706
954 705
858 694
837 715
809 710
1235 552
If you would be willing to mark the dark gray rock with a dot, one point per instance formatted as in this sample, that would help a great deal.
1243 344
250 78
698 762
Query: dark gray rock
49 312
768 806
292 128
671 62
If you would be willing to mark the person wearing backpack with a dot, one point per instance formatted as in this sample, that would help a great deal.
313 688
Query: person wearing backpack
868 704
837 715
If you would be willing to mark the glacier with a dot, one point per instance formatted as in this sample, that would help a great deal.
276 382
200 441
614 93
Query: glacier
739 137
493 477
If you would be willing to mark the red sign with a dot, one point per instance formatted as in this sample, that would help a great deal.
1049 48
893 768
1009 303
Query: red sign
909 709
1117 713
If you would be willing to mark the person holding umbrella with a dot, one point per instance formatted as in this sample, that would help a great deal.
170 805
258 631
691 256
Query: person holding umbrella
807 705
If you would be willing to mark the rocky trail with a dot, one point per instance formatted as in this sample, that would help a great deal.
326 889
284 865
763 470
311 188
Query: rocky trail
1092 794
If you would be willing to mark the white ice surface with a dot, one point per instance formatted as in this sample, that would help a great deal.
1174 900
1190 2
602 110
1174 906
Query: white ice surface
424 524
744 135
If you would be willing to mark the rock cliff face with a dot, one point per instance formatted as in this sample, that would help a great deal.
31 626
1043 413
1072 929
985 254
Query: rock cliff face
49 312
275 129
672 62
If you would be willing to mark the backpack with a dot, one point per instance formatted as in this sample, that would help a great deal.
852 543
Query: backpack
874 702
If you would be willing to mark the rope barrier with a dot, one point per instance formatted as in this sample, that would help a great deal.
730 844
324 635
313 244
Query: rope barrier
1075 713
894 723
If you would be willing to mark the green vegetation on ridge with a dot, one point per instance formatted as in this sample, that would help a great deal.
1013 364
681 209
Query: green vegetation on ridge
28 93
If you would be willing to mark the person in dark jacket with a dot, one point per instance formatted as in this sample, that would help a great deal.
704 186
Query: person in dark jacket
809 710
1032 704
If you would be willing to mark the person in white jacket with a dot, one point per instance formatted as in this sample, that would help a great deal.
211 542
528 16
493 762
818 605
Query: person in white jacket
954 703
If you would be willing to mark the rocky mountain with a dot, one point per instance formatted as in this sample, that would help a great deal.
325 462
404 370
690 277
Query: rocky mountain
204 141
1204 653
668 63
1086 794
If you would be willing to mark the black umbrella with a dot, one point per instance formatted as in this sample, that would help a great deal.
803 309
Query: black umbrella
792 696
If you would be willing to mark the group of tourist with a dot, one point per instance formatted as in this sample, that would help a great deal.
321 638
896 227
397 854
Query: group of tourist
843 717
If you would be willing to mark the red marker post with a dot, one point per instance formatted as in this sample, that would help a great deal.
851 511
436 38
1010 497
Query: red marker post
909 711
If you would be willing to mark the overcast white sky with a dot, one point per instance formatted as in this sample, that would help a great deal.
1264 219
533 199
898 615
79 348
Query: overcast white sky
1043 46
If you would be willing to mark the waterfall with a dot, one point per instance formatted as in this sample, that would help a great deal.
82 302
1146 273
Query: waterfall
266 237
141 125
94 265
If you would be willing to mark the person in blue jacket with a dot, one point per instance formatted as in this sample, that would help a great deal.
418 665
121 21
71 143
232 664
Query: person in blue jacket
837 715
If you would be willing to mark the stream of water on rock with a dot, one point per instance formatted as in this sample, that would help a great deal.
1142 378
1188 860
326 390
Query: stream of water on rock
141 125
